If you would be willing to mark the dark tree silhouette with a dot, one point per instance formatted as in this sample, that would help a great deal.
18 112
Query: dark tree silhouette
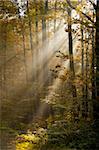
74 93
96 103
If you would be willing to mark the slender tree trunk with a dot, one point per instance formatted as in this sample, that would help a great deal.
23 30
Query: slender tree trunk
94 92
86 81
37 40
30 27
36 51
74 93
24 49
3 50
44 31
36 22
97 49
82 46
82 69
55 16
96 102
5 56
93 72
33 73
44 20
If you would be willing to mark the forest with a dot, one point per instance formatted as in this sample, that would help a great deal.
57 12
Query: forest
49 74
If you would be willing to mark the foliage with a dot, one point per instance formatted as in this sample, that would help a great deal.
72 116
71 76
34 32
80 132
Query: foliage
71 136
64 129
60 135
31 141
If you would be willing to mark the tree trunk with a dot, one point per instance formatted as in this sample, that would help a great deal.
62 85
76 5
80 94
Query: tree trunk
33 74
86 96
24 49
82 46
74 93
55 16
30 27
4 52
97 49
94 92
96 102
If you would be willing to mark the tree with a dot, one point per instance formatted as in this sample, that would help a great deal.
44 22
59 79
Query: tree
96 102
45 8
71 53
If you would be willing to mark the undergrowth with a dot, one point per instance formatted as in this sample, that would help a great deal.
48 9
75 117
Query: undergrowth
60 136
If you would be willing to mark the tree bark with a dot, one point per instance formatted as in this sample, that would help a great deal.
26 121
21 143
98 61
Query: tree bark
82 61
74 93
55 16
97 49
24 49
96 101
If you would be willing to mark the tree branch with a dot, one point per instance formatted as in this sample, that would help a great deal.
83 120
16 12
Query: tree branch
69 3
75 21
88 17
93 4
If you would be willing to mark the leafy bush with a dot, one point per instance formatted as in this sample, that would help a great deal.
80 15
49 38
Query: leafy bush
62 136
31 141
